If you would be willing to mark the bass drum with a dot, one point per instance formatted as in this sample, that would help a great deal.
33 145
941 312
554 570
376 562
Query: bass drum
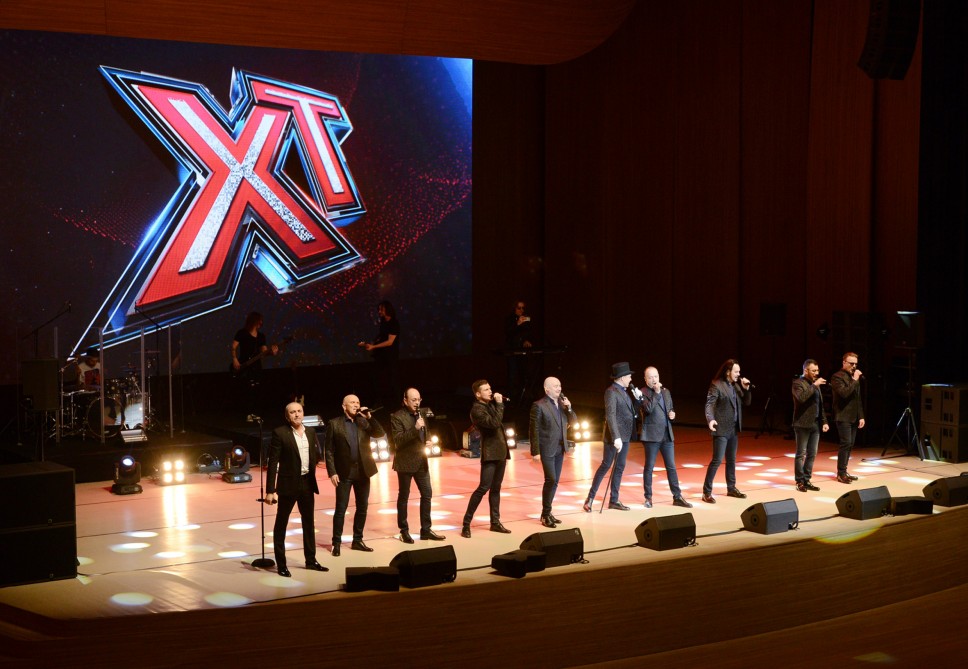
109 421
133 415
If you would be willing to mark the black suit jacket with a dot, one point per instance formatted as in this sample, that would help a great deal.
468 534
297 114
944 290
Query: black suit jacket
721 407
337 447
807 404
488 419
409 455
848 407
284 461
548 428
656 425
620 413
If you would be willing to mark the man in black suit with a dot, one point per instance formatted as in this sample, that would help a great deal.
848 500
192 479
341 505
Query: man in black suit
409 431
657 416
808 419
349 463
848 411
551 416
487 414
727 394
293 455
620 411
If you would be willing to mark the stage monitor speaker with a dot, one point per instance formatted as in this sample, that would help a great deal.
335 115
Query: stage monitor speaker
40 383
951 491
384 579
773 319
906 506
43 494
865 503
909 329
561 547
37 554
892 35
427 566
664 532
771 517
518 563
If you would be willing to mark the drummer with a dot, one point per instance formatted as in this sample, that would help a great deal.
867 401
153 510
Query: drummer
89 370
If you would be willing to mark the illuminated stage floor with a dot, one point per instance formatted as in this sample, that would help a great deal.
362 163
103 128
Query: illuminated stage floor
190 547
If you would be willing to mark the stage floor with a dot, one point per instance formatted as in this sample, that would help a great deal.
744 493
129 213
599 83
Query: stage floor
190 546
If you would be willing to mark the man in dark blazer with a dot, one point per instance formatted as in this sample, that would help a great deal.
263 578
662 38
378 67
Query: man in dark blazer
349 464
620 410
657 416
848 411
487 415
293 455
551 416
808 419
727 394
409 431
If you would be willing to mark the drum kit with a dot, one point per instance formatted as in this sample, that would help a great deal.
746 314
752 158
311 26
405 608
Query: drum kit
123 409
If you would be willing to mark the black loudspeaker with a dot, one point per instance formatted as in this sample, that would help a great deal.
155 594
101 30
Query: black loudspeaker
561 547
518 563
905 506
773 319
864 504
40 383
427 566
43 494
892 34
36 554
664 532
771 517
951 491
384 579
909 329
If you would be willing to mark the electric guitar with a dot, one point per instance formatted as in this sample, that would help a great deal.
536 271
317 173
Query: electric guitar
247 365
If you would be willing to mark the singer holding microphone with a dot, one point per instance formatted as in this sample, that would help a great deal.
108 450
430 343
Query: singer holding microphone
349 464
291 481
620 410
657 416
487 415
551 416
808 419
848 411
409 430
727 394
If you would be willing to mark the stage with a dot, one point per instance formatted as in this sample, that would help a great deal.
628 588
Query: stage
188 548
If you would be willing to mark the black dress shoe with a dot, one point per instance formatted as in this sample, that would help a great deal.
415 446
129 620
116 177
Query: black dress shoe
282 571
843 478
679 501
335 550
315 566
405 537
852 477
554 520
810 486
648 502
360 546
498 527
801 487
465 531
430 535
618 506
736 493
587 506
708 499
547 522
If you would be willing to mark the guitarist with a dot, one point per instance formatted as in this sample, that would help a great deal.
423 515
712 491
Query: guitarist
248 349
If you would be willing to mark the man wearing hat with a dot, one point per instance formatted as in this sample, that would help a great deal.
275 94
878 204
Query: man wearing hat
619 426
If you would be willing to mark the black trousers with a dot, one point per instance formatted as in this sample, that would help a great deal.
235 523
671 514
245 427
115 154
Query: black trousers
492 475
304 500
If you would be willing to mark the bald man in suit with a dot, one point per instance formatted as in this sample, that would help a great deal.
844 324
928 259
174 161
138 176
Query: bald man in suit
551 416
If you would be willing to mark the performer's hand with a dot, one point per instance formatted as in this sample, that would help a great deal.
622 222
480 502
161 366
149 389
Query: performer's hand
526 344
860 424
420 423
334 479
636 393
713 425
820 381
273 350
857 374
565 402
235 364
271 498
369 347
499 398
536 458
361 344
825 427
617 444
745 383
672 415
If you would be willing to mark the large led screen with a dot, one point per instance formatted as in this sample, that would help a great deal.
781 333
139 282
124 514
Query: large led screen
152 185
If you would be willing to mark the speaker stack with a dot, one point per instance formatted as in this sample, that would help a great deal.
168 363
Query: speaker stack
664 532
38 531
771 517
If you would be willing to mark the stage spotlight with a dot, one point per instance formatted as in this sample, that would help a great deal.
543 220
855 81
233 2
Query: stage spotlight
581 431
380 449
433 451
312 421
127 474
237 466
172 472
509 433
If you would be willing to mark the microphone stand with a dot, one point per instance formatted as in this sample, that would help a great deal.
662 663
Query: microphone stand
263 562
